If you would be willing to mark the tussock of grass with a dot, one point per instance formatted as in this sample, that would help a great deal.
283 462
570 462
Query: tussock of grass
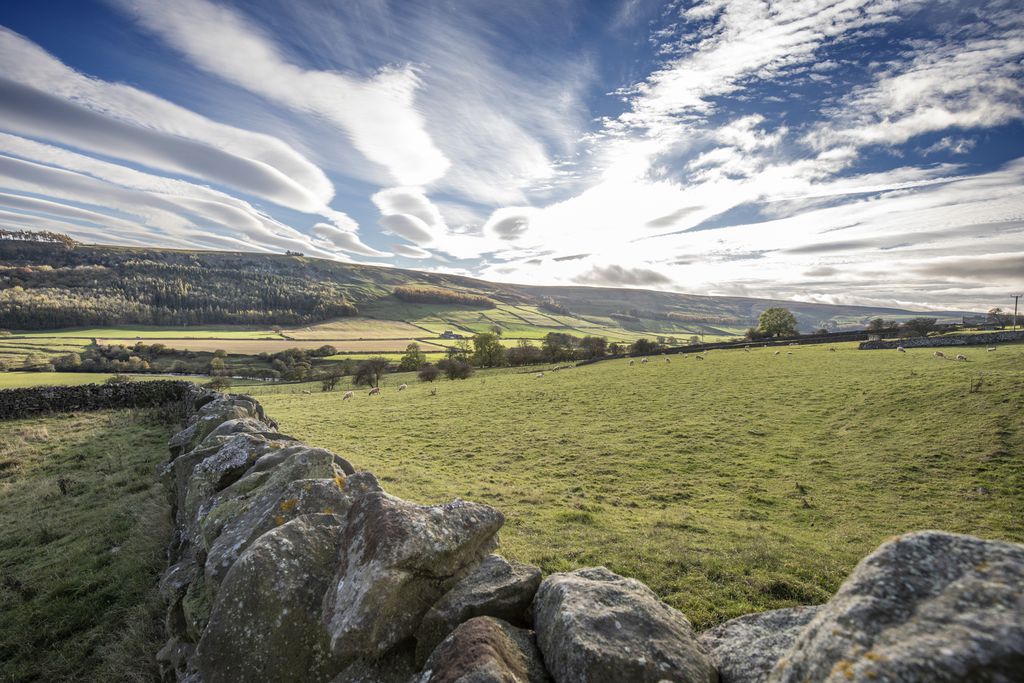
744 482
83 531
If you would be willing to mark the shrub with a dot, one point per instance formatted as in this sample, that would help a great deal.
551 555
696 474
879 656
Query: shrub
370 371
429 372
456 368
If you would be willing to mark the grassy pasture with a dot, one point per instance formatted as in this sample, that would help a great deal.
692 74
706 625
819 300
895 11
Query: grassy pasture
17 380
744 482
154 333
78 569
357 328
255 346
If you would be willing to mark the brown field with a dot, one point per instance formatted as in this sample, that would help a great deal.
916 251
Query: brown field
255 346
356 328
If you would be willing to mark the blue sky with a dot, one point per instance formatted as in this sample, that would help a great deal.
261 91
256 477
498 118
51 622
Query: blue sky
848 151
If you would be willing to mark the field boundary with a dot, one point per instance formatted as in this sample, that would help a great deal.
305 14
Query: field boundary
28 401
952 340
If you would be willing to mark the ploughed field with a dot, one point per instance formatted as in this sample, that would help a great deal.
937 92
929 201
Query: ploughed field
743 482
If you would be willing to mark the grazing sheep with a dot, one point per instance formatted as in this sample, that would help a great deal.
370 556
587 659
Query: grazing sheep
306 391
643 360
831 349
632 362
403 387
375 391
901 349
348 395
961 356
939 354
789 353
991 348
539 374
776 353
747 349
667 360
699 357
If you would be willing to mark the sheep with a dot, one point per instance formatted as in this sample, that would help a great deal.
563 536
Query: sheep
643 360
667 359
539 374
961 356
403 387
789 353
747 349
375 391
831 349
699 357
939 354
348 395
991 348
776 353
306 391
632 362
901 349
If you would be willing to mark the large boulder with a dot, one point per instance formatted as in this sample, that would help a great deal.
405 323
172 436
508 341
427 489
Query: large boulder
265 624
398 559
746 648
495 588
486 650
594 626
926 606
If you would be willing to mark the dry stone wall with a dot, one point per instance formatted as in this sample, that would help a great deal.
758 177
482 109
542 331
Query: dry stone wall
980 339
289 565
18 403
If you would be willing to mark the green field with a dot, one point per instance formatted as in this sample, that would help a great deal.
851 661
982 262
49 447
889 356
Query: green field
743 482
78 569
134 332
16 380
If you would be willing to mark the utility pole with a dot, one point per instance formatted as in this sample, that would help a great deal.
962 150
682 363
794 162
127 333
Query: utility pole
1016 297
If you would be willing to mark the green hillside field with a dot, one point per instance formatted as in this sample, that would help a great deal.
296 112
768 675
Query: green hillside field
744 482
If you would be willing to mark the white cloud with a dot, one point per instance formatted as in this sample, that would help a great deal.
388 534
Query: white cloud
378 113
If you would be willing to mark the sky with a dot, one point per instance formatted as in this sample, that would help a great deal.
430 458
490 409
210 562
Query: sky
842 151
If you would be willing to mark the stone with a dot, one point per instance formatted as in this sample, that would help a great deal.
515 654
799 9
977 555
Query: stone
495 588
745 649
594 626
398 559
486 650
265 623
925 606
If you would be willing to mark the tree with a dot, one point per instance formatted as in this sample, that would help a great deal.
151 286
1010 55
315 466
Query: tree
777 322
456 368
329 382
1000 317
496 329
217 366
880 326
370 371
219 383
559 346
429 372
593 347
524 353
461 350
920 327
643 347
487 350
412 359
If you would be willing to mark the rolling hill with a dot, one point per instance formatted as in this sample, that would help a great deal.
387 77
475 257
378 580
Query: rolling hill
56 284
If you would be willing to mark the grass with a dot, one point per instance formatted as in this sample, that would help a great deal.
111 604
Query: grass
17 380
84 528
744 482
133 332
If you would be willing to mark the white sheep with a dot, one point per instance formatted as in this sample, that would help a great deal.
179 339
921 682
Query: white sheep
632 362
699 357
961 356
747 349
991 348
939 354
539 374
644 359
403 387
375 391
789 353
832 349
348 395
306 391
776 353
901 349
667 360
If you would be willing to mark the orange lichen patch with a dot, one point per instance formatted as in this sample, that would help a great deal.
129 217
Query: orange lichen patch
279 520
843 667
288 505
339 480
307 487
982 566
875 657
328 511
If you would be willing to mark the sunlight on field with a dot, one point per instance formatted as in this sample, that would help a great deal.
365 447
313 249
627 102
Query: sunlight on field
15 380
743 482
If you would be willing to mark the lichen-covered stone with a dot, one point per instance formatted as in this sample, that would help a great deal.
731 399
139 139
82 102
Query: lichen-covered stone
926 606
745 649
486 650
265 623
594 626
398 559
495 588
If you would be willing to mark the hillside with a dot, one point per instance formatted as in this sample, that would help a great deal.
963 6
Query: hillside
49 285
